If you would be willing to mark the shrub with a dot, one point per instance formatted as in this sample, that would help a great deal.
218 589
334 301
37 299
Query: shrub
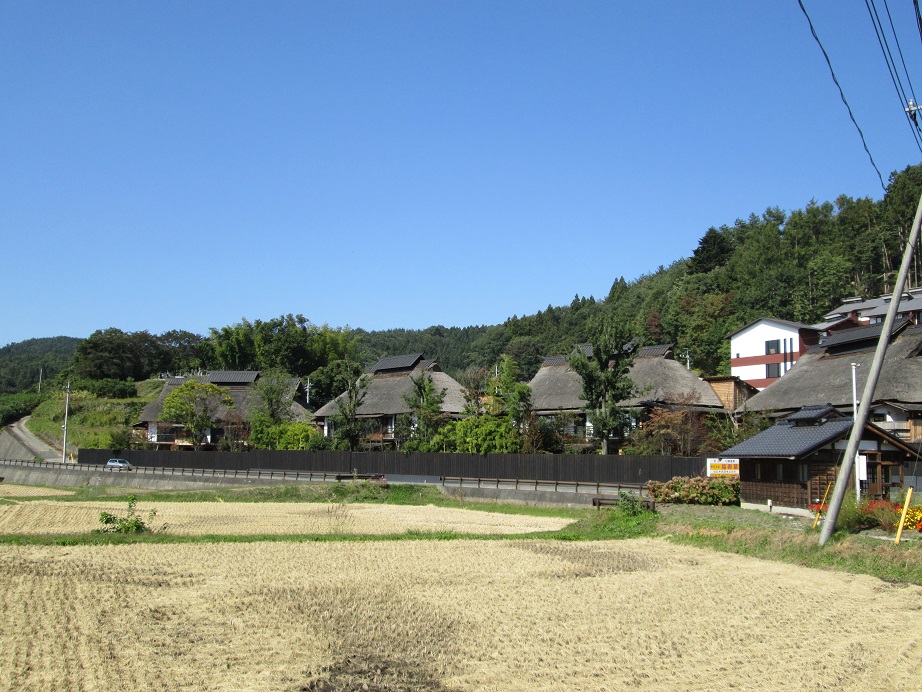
629 503
885 513
130 523
853 517
914 518
697 491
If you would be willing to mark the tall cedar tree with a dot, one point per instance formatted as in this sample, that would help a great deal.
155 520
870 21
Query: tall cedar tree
604 372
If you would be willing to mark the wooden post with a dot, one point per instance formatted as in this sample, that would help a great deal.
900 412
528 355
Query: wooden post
899 531
819 511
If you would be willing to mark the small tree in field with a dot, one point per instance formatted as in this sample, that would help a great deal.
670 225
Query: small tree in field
194 406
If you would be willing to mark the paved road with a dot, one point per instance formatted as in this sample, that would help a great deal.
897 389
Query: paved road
32 443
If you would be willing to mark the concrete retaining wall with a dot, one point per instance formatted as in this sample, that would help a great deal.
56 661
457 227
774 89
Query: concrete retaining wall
31 475
93 475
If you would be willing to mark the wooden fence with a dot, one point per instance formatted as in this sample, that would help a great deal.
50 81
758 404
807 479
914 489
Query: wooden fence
581 468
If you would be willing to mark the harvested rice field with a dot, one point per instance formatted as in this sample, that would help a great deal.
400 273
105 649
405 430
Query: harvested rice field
253 519
11 490
445 615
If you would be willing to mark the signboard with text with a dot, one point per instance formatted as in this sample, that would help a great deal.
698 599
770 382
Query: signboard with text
723 467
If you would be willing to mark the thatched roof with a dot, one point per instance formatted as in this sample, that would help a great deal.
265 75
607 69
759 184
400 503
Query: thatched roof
240 391
666 381
821 376
556 387
388 390
657 378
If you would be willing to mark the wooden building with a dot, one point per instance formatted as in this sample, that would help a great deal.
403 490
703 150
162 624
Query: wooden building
389 384
793 462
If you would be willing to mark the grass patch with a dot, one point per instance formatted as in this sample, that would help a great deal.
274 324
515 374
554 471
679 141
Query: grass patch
793 541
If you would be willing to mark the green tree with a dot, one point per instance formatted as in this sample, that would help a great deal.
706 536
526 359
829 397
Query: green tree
348 428
426 417
326 382
114 354
713 251
484 434
604 373
507 396
194 405
473 383
275 392
527 352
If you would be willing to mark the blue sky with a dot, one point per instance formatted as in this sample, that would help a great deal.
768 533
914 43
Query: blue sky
183 165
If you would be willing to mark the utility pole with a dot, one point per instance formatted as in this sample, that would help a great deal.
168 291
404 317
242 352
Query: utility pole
855 367
66 407
861 417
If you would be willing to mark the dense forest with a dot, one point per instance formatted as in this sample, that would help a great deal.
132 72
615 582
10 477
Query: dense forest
794 266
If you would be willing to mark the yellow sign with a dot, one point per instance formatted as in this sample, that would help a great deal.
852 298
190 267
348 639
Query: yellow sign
723 467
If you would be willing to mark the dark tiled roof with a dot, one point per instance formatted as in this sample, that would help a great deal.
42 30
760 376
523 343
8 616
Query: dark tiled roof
232 376
405 362
554 360
814 413
659 351
860 334
226 377
789 441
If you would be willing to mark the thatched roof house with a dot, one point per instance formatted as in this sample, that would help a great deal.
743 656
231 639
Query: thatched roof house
389 386
239 386
658 380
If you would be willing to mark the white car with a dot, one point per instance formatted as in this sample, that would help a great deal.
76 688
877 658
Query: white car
118 465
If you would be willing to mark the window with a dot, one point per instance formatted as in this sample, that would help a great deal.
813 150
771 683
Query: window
772 370
803 473
772 347
779 472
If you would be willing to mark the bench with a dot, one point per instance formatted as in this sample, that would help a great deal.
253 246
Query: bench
612 501
360 476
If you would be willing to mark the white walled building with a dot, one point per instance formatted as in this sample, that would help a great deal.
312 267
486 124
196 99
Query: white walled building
764 350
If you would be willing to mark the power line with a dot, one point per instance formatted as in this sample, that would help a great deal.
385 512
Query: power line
892 67
842 95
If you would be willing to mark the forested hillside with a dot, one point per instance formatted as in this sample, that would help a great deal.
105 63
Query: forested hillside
792 265
21 363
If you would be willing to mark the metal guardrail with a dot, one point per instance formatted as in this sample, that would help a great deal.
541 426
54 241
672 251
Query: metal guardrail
551 486
331 476
316 476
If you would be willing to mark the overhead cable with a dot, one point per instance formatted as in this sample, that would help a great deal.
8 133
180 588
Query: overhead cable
842 95
904 97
